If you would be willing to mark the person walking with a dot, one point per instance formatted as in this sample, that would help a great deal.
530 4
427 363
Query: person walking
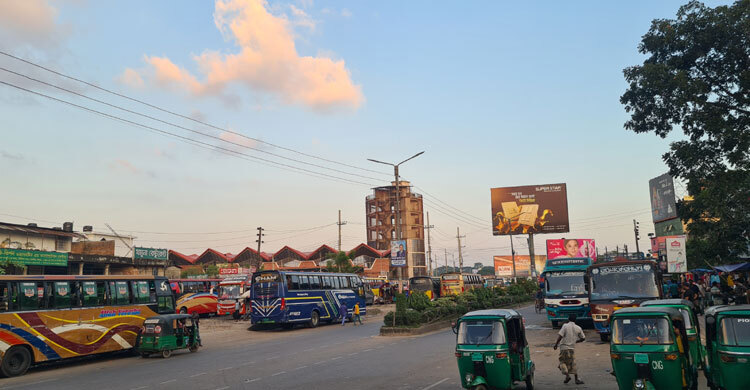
356 315
344 312
569 335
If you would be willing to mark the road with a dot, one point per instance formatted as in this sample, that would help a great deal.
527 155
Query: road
328 357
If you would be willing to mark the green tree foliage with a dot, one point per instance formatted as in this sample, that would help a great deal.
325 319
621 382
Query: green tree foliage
697 78
212 270
186 273
488 271
342 263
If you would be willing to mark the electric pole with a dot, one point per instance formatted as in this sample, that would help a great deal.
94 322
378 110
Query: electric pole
429 246
340 224
260 238
398 213
636 230
460 256
532 255
512 255
446 259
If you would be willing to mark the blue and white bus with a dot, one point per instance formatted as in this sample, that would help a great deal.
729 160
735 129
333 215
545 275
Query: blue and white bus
565 289
288 298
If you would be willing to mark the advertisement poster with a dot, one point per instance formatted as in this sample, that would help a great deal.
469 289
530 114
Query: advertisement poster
398 253
530 209
564 248
504 265
661 191
676 259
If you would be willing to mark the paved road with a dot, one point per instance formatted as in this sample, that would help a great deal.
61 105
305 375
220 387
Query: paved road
328 357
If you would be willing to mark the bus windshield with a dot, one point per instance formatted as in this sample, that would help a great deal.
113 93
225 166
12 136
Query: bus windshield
623 281
565 283
231 291
452 277
420 284
266 277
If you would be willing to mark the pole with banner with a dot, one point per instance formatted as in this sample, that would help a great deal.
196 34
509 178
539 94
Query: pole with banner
532 257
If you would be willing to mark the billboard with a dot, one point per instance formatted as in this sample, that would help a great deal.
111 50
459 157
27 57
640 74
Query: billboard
504 265
27 257
151 254
398 253
662 198
670 227
530 209
676 255
562 248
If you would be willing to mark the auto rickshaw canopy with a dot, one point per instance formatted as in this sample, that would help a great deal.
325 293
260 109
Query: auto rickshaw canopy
166 321
673 302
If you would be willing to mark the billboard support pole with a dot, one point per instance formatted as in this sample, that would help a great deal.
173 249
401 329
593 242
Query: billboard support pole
532 257
513 255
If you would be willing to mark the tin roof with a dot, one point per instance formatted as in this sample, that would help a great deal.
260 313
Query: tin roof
39 230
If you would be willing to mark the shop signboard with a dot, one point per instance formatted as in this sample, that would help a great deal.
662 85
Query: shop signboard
398 253
562 248
530 209
151 254
676 255
504 265
27 257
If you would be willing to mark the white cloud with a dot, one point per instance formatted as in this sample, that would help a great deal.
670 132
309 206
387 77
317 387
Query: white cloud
267 60
30 23
346 13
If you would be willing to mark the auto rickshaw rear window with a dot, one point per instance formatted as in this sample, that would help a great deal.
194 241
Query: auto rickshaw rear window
481 332
735 331
641 331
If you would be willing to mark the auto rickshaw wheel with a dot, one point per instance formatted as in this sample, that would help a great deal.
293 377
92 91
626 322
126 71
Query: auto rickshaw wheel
530 381
604 337
165 353
145 355
194 348
15 361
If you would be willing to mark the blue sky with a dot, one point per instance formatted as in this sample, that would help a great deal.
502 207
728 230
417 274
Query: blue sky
496 93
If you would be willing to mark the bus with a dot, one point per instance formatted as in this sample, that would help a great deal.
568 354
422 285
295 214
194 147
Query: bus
288 298
196 296
618 284
230 291
454 283
46 318
428 285
565 289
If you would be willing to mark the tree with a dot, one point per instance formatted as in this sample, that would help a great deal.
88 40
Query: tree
697 78
341 263
212 270
487 270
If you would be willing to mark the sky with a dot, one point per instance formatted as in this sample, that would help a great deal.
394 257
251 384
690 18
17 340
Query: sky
495 93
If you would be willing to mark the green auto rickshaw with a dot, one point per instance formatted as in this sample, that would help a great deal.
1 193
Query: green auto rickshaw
165 333
649 349
728 347
692 326
492 351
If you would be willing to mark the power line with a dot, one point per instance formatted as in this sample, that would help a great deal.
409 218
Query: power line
185 116
482 220
183 138
181 127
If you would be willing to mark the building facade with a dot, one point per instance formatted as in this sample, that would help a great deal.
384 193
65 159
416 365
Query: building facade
380 211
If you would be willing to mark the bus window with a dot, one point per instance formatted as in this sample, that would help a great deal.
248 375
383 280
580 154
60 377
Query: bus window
152 291
30 295
335 283
355 282
314 282
166 305
60 295
119 293
295 283
327 282
304 284
4 297
140 291
344 281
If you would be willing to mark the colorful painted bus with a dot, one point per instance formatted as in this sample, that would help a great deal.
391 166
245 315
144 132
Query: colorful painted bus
230 291
454 283
618 284
565 289
428 285
196 295
46 318
288 298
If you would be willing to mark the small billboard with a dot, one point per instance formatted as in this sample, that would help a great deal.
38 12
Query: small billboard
504 265
530 209
676 255
564 248
662 198
398 253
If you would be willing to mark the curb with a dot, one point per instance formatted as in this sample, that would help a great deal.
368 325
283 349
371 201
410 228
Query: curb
397 331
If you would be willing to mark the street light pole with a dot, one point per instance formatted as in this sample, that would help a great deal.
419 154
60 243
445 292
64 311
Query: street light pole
398 209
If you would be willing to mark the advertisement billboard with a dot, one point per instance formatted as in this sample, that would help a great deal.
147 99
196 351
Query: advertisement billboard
504 265
530 209
676 251
562 248
398 253
670 227
662 198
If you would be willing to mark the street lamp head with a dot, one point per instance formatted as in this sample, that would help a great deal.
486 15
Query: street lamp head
416 155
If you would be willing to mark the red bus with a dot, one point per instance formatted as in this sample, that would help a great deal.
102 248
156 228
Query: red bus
230 291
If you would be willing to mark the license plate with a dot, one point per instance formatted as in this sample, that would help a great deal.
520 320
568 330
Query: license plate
477 357
266 321
640 358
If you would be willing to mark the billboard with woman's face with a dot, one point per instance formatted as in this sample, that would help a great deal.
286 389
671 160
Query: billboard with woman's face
565 248
530 209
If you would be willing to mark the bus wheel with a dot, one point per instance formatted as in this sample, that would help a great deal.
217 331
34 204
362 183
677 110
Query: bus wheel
314 319
16 361
166 353
604 337
183 310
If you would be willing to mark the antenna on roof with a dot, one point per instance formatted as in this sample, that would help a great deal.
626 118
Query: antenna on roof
121 239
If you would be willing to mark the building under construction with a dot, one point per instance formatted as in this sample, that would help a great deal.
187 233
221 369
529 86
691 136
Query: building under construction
381 224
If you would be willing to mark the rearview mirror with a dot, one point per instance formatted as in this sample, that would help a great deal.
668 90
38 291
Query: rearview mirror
454 327
710 320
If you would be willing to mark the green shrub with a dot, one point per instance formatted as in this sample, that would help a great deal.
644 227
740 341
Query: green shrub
418 301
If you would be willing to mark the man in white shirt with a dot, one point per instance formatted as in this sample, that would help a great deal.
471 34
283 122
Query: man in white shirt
569 335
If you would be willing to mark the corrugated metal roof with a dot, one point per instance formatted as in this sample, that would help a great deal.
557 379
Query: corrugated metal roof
38 230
